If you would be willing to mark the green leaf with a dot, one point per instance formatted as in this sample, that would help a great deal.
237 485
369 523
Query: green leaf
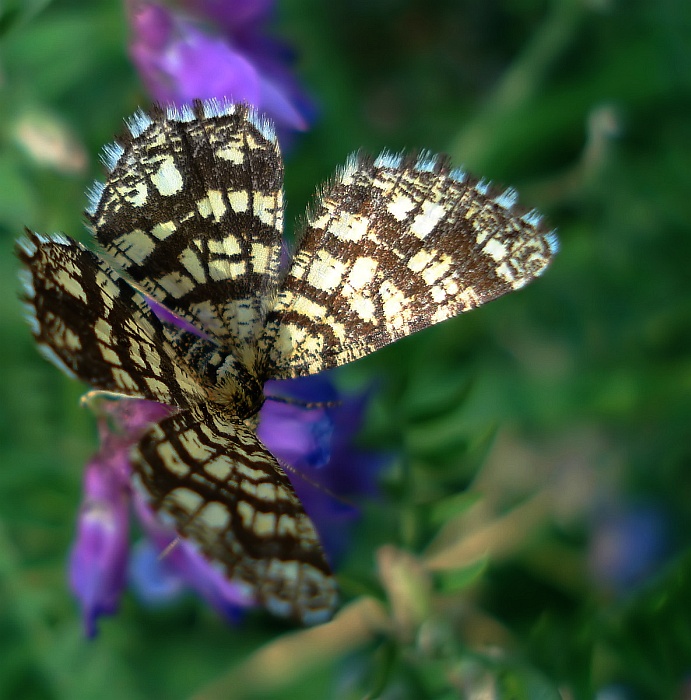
454 580
444 509
525 684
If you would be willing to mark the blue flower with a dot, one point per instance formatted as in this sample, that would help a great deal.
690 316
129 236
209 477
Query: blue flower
629 543
217 50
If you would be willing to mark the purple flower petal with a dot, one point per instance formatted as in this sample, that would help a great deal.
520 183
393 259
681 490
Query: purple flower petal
298 436
129 418
152 579
182 58
275 100
234 16
99 555
167 316
182 559
316 444
98 562
207 67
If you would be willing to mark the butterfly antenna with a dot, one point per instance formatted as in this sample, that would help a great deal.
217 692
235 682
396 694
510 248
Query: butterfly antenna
320 487
172 544
304 404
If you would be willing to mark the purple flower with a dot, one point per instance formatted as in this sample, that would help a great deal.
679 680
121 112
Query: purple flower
314 443
217 50
99 556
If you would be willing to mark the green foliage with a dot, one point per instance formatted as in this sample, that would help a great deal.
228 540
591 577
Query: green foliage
514 429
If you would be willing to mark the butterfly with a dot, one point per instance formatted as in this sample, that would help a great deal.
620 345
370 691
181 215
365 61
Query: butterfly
190 220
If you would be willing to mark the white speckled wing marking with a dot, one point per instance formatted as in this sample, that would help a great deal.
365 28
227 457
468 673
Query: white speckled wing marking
94 326
394 245
192 211
224 491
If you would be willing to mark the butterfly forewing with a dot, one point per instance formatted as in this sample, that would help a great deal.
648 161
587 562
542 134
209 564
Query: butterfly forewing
92 324
392 246
227 494
193 212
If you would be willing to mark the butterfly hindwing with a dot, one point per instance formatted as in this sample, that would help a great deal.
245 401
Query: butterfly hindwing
227 494
92 324
192 210
394 245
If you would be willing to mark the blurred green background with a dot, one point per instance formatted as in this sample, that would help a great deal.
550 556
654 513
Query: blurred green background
536 515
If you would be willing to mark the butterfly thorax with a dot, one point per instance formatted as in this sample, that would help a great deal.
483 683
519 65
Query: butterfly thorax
226 372
237 388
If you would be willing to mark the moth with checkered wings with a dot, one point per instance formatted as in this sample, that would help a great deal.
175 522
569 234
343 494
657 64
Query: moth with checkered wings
191 219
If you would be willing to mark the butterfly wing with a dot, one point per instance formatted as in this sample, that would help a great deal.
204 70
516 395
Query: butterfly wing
394 245
220 488
192 210
94 326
